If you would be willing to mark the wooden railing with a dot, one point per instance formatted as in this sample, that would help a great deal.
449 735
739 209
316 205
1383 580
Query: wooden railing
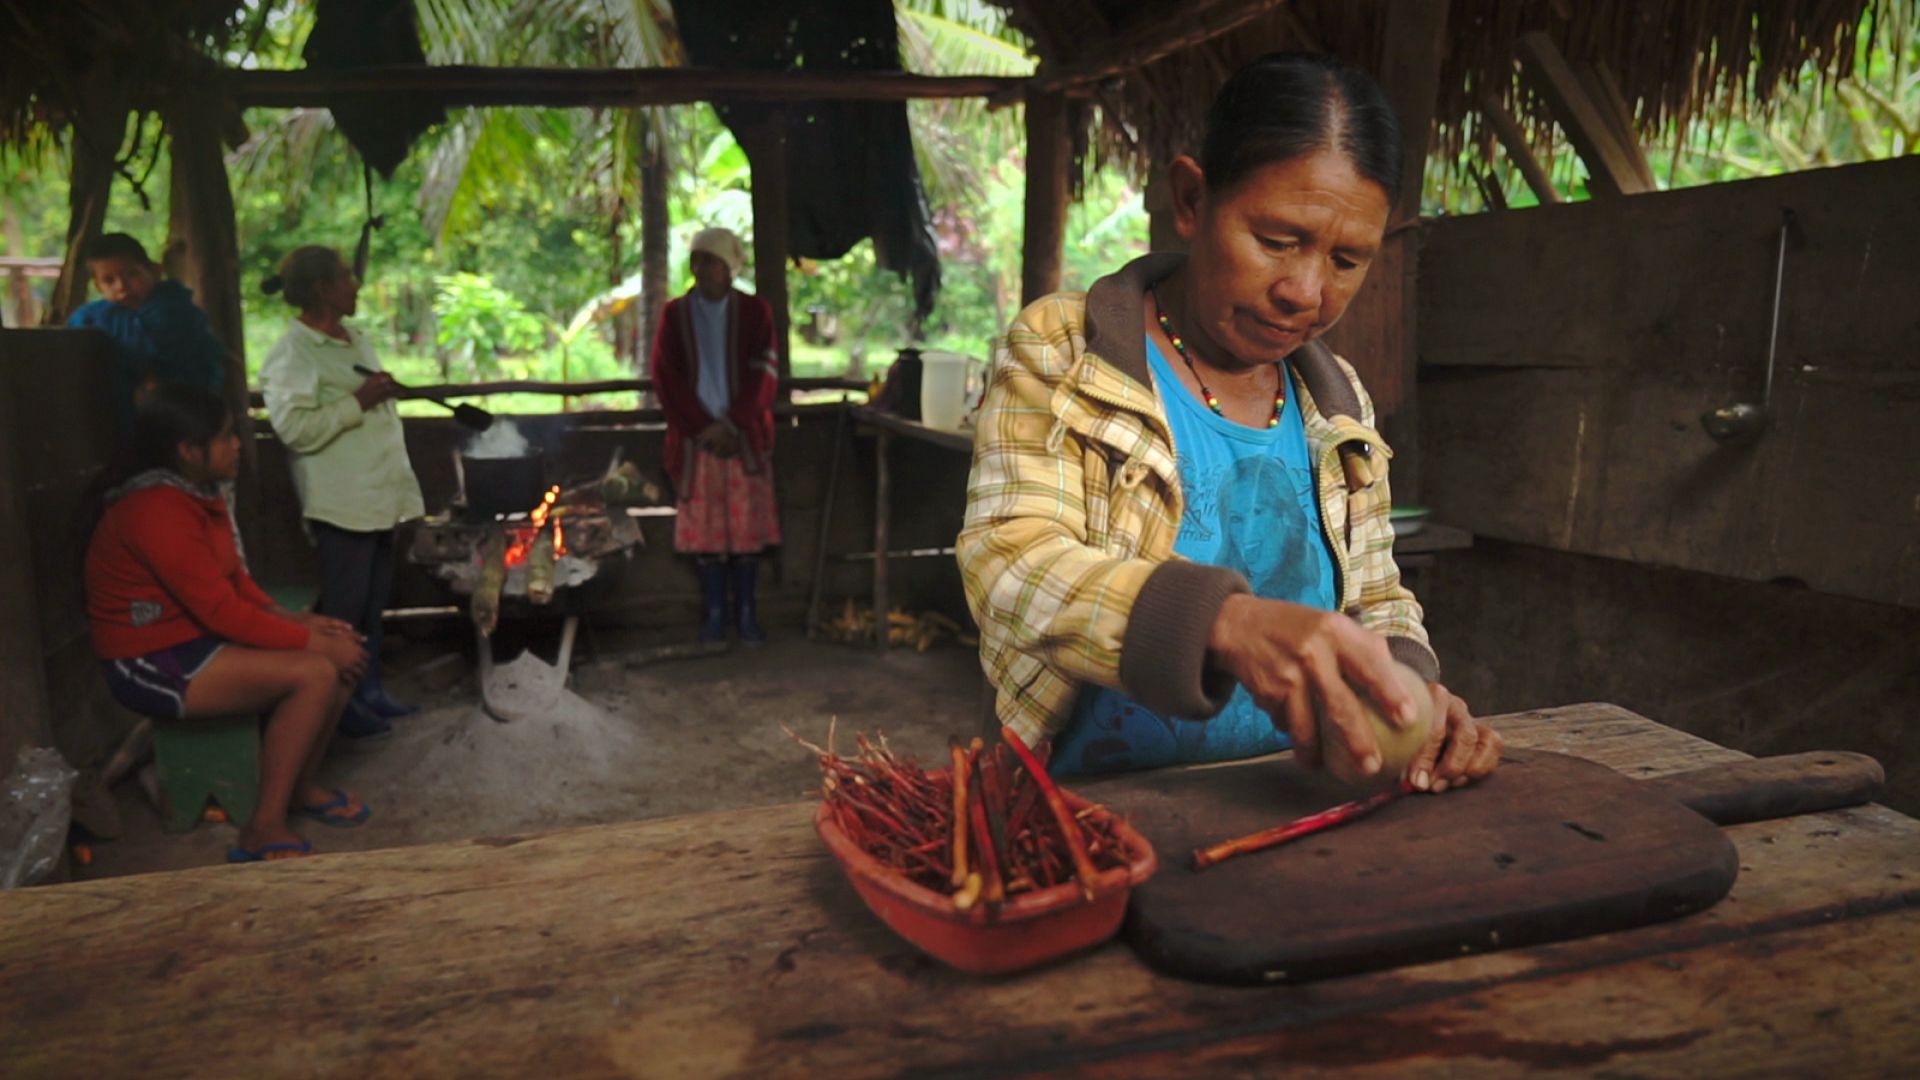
445 391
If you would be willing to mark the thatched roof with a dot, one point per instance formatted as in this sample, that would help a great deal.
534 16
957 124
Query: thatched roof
1675 62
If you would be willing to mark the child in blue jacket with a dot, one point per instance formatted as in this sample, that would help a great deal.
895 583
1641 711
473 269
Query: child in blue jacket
162 336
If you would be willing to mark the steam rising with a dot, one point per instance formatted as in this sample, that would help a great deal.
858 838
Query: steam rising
502 440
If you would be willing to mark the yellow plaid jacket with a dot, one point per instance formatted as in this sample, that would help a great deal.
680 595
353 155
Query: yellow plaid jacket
1074 502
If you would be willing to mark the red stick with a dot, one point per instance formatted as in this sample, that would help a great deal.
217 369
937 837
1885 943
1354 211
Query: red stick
1069 828
1312 823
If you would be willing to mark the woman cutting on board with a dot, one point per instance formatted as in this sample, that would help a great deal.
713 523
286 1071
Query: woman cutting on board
1176 539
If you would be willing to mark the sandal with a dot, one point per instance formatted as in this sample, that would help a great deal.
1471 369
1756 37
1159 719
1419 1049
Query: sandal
266 852
321 813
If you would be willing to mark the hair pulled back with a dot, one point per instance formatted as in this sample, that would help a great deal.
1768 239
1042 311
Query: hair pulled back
171 414
1287 105
303 273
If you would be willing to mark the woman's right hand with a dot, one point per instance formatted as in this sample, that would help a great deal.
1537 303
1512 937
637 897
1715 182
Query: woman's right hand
1292 658
376 391
348 655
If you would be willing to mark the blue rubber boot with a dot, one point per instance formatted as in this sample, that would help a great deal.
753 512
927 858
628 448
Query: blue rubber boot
372 693
713 599
360 728
746 571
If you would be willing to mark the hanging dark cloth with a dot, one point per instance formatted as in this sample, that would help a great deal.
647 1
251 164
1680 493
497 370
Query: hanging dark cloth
351 34
850 166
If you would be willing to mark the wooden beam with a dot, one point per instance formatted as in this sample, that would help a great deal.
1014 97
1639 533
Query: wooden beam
462 85
765 141
1181 29
1414 43
1514 142
1604 91
1048 159
1610 168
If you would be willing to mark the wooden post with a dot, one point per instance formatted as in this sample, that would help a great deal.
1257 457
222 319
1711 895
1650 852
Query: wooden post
24 708
203 254
1162 233
882 531
766 145
1415 41
1046 212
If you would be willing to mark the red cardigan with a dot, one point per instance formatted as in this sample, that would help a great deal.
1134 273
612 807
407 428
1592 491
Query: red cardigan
162 570
754 368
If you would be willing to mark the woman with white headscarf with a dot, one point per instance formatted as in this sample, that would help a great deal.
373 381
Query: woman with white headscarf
715 371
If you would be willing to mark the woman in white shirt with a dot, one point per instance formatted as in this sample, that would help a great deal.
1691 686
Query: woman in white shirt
349 456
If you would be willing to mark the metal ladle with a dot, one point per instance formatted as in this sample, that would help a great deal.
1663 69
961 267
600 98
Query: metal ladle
1744 420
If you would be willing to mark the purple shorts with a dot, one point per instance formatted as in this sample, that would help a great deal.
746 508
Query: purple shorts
156 684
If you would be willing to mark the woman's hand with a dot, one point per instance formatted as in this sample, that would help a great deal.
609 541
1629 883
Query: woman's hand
376 391
348 655
719 439
323 624
1291 658
1459 751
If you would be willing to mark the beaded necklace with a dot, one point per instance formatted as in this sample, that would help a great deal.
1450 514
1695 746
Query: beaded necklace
1206 392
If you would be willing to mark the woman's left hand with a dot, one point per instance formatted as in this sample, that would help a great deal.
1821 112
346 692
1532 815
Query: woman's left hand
1459 750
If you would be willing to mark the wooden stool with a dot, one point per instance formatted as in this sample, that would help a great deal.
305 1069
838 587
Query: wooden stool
207 756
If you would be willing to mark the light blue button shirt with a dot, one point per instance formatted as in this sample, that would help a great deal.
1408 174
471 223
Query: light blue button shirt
1250 507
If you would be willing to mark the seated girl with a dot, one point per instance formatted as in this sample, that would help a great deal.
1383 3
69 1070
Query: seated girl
183 630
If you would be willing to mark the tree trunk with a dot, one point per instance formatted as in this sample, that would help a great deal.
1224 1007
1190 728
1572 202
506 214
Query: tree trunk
656 255
98 130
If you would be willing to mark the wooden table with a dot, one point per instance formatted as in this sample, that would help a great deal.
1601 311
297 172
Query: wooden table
887 426
728 944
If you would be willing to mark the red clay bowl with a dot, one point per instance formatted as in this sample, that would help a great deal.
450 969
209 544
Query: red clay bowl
1029 929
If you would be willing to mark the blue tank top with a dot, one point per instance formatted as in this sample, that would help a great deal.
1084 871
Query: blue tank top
1251 507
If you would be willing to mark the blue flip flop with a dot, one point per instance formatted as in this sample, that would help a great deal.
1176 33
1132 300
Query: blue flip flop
265 852
338 821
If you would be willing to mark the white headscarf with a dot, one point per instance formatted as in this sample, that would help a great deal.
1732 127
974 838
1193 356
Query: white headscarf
723 245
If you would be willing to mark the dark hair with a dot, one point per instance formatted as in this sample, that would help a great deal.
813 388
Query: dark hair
171 414
302 273
1286 105
115 245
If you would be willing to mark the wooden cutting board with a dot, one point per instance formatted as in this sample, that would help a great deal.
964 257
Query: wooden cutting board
1550 847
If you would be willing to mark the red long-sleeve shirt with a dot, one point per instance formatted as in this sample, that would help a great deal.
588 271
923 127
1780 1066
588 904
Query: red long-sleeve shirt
162 570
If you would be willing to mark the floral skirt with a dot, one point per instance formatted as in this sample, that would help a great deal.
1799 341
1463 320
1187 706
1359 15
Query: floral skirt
725 509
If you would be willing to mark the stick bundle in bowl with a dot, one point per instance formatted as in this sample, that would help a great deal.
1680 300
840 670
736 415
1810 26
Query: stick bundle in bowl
988 827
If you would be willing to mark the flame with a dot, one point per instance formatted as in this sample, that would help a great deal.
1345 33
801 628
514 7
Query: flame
522 544
559 539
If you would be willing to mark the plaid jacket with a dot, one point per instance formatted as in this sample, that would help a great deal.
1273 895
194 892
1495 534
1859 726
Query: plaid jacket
1074 502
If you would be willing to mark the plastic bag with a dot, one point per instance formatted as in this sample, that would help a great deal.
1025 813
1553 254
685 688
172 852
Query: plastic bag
36 805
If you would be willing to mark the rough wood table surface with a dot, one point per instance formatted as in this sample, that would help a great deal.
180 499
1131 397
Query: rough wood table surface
728 944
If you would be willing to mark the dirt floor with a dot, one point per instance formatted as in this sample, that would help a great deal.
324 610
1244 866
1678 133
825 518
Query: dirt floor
665 738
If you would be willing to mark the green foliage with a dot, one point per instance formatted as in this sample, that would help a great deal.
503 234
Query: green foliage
479 321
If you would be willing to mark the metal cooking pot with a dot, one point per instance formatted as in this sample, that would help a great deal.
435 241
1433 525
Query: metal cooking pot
496 486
